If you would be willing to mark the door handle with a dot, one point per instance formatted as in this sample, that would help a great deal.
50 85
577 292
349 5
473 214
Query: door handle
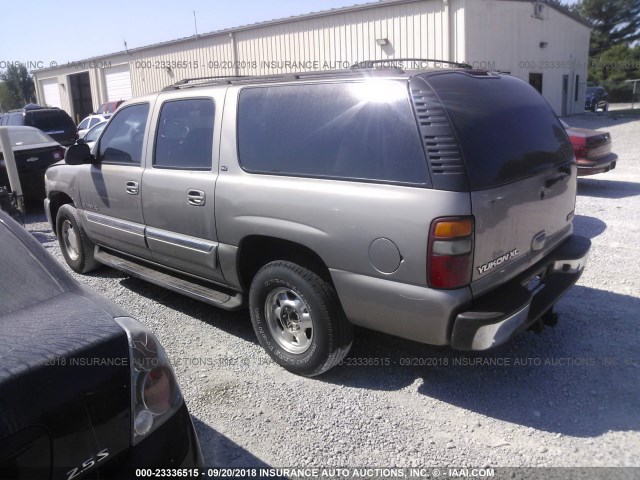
552 181
132 187
196 197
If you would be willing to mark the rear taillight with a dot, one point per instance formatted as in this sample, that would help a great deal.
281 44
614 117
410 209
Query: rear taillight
58 153
582 152
450 252
155 395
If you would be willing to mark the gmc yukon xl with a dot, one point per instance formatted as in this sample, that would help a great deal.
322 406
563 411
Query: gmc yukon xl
434 205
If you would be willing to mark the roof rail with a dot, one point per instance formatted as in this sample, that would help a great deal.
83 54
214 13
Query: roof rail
189 82
279 77
393 63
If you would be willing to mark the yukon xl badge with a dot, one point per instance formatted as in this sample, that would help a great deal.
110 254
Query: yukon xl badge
498 261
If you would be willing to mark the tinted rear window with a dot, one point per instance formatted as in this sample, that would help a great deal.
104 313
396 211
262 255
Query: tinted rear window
28 137
360 131
505 129
50 121
24 280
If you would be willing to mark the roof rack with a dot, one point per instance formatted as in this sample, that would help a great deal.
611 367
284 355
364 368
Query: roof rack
393 63
282 77
197 81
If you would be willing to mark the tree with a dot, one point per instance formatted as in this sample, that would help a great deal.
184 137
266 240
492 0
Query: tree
7 99
614 55
19 84
615 22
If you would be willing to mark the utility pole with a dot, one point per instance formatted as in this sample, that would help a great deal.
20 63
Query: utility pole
633 95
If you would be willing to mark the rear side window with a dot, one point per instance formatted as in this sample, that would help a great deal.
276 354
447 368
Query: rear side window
84 124
52 121
185 135
355 131
122 140
505 129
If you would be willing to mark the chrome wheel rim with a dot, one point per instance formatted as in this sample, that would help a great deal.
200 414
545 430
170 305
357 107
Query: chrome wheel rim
70 240
289 320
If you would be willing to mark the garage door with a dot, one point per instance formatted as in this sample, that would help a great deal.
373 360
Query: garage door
51 92
118 81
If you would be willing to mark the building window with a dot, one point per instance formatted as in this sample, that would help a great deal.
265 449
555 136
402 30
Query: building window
535 80
575 90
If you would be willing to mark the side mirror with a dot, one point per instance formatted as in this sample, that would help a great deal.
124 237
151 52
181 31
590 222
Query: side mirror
78 154
80 141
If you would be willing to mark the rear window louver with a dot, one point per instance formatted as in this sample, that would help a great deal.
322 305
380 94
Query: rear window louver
440 144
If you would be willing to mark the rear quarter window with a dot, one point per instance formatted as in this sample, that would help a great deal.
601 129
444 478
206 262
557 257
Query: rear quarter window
353 131
505 128
15 119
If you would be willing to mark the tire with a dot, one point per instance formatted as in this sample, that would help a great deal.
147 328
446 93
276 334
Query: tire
298 319
606 107
594 108
76 247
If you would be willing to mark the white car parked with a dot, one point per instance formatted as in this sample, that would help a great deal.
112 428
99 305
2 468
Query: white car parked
90 122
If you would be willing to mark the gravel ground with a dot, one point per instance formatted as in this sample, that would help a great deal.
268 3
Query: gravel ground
566 397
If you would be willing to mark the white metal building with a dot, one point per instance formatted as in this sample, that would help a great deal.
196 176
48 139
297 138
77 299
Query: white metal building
537 41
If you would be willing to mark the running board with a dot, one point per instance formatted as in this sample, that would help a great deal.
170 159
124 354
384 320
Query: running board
192 287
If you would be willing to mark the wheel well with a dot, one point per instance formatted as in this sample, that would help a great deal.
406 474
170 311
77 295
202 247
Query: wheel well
256 251
57 199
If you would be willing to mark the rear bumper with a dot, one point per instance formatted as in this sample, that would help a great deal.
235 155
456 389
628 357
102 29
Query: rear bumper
601 165
493 319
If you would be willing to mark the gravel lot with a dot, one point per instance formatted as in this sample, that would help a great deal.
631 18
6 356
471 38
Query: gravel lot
567 397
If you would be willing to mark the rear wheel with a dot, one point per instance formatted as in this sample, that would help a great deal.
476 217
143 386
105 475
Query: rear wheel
298 318
606 107
76 247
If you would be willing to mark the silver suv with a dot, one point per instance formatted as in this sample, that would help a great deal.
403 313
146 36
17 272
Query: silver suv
435 205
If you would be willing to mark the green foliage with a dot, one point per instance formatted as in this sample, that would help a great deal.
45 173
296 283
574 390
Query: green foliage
7 100
20 86
614 53
615 22
612 67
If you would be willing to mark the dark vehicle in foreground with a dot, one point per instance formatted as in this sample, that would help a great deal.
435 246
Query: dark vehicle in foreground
84 388
435 205
596 99
592 149
34 152
55 122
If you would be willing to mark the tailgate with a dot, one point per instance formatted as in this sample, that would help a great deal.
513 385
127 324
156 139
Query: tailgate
517 224
520 170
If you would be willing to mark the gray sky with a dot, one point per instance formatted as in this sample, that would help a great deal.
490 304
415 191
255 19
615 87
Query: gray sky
67 30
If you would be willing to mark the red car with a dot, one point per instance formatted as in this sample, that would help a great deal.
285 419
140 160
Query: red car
592 149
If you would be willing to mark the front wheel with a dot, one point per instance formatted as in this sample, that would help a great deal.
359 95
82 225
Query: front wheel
298 318
76 247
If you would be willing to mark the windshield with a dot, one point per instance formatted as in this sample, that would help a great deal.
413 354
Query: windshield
19 269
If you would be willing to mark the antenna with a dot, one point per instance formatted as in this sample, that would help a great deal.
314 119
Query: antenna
126 49
195 23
